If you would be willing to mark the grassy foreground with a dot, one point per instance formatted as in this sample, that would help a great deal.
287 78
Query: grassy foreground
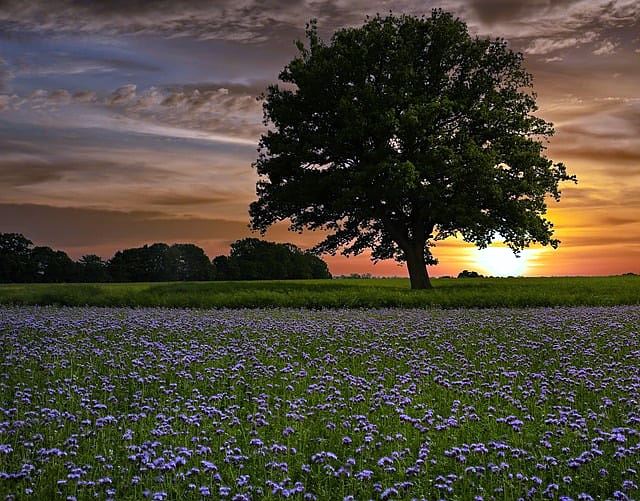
350 293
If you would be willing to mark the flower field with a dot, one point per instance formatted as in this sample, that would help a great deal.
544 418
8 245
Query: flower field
119 403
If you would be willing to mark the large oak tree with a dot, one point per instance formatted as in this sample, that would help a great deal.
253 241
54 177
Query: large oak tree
403 132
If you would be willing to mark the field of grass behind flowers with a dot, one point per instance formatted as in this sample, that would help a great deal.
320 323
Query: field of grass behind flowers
337 293
123 403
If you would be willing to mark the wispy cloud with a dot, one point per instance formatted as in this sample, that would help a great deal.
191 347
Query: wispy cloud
607 47
547 45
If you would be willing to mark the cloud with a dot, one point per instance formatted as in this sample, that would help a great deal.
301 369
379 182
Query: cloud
218 110
5 101
35 167
172 199
43 98
224 19
547 45
606 48
16 173
6 74
206 112
609 155
600 130
257 21
66 68
59 96
123 95
495 11
119 170
91 229
85 96
76 226
597 240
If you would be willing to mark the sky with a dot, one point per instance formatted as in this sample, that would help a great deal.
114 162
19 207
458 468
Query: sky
132 122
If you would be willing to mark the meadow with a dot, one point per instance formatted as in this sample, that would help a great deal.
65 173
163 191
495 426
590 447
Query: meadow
337 293
124 403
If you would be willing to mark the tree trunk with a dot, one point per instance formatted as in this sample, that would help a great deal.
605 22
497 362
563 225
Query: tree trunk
417 269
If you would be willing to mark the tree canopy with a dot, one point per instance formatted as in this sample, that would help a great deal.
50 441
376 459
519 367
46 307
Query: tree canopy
160 262
15 258
402 132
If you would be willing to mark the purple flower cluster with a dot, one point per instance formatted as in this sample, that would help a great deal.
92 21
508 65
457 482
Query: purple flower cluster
337 404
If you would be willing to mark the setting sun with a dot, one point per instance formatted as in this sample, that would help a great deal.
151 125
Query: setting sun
501 261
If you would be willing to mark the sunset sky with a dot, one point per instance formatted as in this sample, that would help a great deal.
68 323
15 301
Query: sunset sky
131 122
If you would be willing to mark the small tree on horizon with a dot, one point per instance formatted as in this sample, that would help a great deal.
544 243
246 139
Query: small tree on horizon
403 132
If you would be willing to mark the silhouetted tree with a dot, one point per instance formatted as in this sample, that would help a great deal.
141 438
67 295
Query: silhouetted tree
188 262
403 132
141 264
469 274
92 268
255 259
160 262
48 265
250 259
15 252
225 268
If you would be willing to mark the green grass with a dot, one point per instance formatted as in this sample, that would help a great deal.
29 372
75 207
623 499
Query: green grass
353 293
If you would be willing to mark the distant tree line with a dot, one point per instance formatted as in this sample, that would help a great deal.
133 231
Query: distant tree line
255 259
469 274
249 259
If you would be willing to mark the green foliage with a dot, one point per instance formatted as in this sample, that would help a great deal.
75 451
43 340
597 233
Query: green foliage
349 293
403 132
254 259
